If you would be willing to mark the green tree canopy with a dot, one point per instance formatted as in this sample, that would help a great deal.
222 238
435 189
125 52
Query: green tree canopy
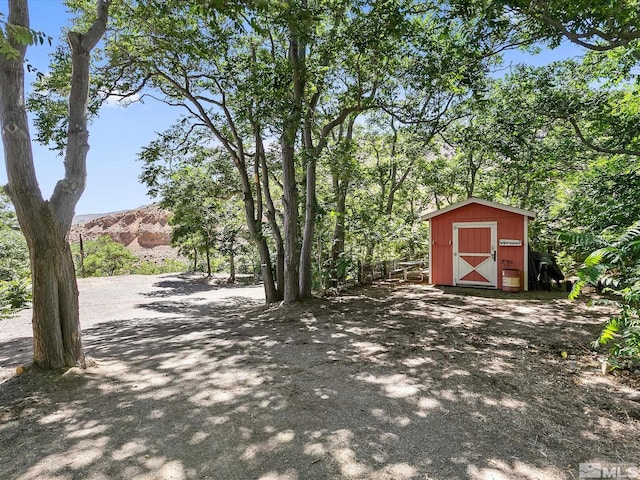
106 257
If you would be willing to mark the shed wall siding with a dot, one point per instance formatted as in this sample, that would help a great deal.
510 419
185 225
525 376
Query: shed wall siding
510 226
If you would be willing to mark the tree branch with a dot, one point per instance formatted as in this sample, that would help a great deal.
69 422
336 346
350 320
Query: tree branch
67 192
591 145
99 27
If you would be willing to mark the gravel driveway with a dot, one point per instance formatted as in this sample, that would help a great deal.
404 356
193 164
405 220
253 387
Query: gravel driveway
108 299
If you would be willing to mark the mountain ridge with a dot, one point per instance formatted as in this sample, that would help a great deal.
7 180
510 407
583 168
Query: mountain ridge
145 230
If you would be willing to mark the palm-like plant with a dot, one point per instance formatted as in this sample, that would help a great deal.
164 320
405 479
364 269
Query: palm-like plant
616 266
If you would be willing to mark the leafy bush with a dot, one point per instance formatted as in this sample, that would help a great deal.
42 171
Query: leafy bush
14 255
15 294
145 268
616 267
104 257
169 265
15 288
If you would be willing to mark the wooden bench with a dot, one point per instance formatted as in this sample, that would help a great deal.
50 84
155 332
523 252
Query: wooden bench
417 266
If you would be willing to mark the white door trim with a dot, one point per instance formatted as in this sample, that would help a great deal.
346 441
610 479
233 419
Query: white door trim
493 281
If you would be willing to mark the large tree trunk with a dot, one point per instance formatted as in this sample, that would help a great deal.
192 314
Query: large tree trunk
270 290
253 217
290 200
56 326
308 232
271 211
57 341
291 126
277 237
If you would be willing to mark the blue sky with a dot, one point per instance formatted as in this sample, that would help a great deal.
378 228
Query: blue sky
118 135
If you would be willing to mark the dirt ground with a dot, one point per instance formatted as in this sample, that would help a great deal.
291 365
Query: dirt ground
394 381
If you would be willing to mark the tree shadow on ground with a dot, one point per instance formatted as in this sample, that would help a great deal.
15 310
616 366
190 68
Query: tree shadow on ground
17 351
184 284
382 383
540 295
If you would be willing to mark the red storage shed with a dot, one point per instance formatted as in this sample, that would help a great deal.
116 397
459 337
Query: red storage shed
477 243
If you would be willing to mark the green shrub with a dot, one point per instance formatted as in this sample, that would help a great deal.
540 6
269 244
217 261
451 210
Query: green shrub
104 257
616 267
145 268
169 265
14 295
15 289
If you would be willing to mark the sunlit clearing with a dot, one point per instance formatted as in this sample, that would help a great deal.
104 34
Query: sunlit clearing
496 365
505 402
417 362
455 372
84 454
395 386
499 470
426 403
270 446
288 475
130 449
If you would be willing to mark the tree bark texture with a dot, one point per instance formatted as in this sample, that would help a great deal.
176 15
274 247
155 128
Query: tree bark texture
232 267
271 214
289 186
290 222
57 341
311 155
308 231
208 257
257 235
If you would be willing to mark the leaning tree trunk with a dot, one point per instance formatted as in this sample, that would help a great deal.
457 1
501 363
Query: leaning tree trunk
57 341
254 224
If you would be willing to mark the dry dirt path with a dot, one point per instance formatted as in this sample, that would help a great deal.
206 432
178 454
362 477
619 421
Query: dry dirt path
387 382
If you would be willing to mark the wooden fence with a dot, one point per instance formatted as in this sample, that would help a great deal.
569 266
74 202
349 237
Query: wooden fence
370 272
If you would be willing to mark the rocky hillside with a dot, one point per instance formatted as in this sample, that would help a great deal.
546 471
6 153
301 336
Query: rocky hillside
144 231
